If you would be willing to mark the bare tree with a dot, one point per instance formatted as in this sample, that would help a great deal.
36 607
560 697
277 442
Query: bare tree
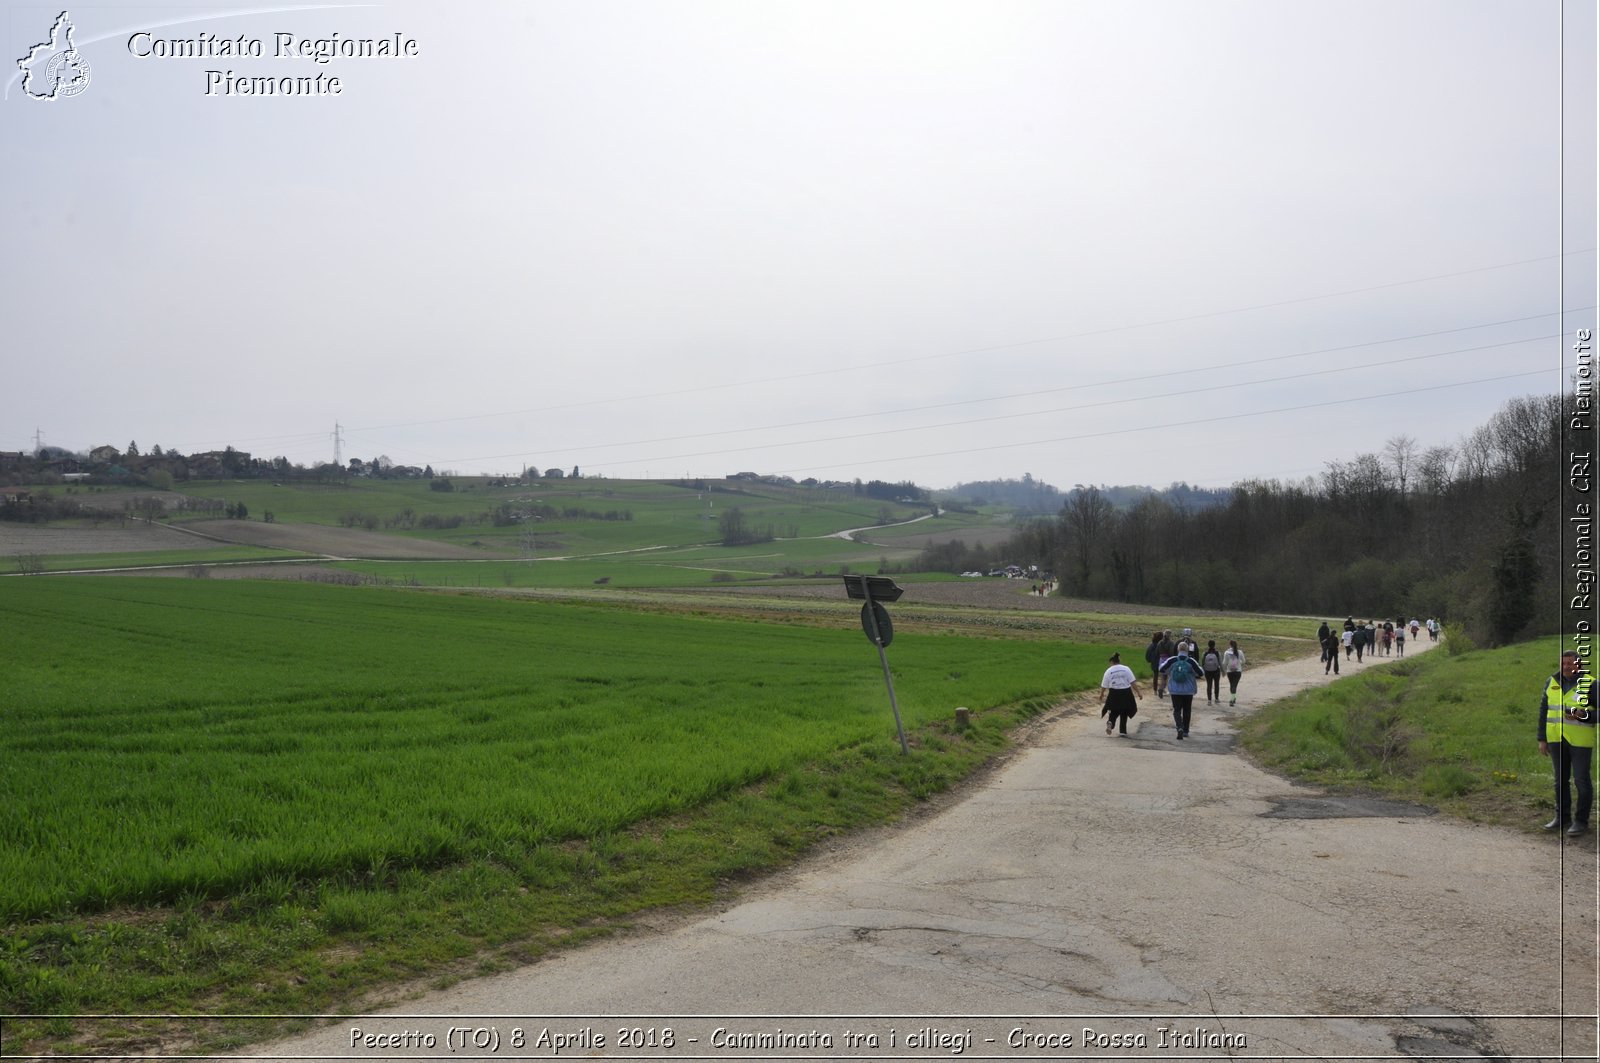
1087 517
1402 453
1435 469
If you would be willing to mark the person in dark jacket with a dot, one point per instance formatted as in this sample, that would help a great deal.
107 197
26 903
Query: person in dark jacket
1211 665
1152 655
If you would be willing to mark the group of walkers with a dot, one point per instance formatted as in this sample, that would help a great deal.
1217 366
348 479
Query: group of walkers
1567 714
1366 637
1177 668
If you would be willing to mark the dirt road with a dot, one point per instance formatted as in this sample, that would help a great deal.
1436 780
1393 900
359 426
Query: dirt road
1167 897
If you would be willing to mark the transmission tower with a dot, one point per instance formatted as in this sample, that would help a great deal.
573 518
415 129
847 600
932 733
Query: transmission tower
338 445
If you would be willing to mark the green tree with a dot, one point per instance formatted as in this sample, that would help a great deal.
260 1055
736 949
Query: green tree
1512 579
731 526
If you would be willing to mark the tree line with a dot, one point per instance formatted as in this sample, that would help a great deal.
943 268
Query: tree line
1469 533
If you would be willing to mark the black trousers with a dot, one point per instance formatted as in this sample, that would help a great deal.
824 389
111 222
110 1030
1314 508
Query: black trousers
1213 686
1573 763
1181 706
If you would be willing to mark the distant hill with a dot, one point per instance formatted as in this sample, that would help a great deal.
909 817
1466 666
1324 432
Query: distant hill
1035 496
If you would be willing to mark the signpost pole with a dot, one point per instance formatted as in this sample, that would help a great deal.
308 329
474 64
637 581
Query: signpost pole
877 640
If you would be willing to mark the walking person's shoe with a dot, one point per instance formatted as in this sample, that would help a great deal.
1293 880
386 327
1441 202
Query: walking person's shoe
1578 827
1108 728
1233 701
1555 824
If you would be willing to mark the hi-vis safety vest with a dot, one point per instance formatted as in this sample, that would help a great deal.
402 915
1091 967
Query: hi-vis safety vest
1558 703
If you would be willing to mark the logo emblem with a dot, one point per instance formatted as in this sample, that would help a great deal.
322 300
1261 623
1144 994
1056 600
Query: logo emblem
54 68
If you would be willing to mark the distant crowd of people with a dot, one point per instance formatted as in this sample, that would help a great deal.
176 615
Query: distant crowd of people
1367 637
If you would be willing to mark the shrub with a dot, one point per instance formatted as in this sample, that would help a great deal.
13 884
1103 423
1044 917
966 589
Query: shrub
1448 780
1457 641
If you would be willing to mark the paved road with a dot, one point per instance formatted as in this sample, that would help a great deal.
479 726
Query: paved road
1142 888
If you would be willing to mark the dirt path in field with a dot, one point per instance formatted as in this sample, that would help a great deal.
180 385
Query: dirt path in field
1166 895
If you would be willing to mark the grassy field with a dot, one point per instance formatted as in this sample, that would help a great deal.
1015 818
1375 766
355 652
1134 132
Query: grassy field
641 513
1452 731
249 796
278 797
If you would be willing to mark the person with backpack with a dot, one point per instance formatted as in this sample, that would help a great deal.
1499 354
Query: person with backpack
1211 665
1233 664
1183 683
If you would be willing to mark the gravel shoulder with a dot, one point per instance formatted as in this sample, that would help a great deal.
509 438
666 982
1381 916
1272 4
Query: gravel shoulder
1128 886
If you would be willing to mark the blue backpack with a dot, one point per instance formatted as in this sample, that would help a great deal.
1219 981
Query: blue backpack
1182 671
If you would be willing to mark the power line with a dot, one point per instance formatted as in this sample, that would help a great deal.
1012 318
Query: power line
1177 424
1031 413
1035 392
967 351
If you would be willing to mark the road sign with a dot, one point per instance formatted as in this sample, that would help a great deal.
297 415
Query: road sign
875 622
872 590
875 588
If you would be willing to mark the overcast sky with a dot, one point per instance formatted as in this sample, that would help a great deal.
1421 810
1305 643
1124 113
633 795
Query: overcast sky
1099 242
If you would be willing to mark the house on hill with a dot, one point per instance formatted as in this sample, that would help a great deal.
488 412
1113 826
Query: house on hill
216 464
105 454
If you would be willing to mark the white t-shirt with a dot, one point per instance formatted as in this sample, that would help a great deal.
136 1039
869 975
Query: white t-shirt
1118 677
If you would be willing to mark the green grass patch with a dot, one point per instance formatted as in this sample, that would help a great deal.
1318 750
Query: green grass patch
268 797
1453 731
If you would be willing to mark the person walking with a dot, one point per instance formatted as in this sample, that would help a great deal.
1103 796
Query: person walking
1119 695
1566 734
1211 665
1165 652
1330 653
1183 683
1349 640
1152 654
1400 641
1233 664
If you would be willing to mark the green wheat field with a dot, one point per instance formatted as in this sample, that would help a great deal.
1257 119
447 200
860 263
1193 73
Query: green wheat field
184 738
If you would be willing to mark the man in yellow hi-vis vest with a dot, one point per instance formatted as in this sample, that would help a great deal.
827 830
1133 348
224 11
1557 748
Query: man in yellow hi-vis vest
1566 732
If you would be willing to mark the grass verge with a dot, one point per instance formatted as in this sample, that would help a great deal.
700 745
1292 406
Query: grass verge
1451 730
299 947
